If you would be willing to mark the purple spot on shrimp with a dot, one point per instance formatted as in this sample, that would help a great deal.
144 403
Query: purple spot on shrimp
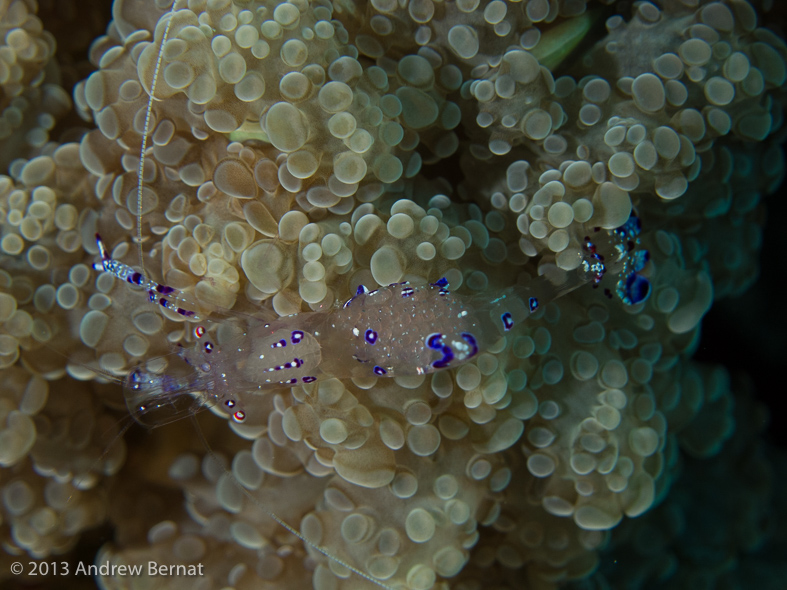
448 356
309 379
136 278
208 347
296 362
533 304
378 370
163 289
508 321
361 290
470 339
280 344
291 381
635 289
101 247
435 341
443 282
407 292
371 336
296 336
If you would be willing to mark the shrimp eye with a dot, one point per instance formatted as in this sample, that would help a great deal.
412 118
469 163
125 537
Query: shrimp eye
239 416
230 403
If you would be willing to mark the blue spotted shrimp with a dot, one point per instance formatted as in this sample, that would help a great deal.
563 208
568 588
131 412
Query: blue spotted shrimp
396 330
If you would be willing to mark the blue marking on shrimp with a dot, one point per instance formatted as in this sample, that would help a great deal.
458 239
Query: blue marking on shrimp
630 229
293 364
361 290
371 337
532 303
280 344
441 282
296 336
639 259
508 321
632 288
156 291
434 341
378 370
635 289
408 292
437 342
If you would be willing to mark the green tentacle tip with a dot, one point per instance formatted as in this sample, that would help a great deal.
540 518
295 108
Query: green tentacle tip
249 130
558 42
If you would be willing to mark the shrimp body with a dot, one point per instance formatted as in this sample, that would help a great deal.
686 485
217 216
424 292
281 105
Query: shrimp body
397 330
391 331
394 330
402 330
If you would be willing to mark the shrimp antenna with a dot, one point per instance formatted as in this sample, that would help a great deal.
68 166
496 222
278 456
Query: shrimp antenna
146 131
271 514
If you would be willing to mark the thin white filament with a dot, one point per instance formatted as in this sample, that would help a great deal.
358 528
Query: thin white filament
145 131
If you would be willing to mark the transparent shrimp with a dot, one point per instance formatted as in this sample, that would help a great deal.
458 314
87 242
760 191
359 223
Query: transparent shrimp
397 330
